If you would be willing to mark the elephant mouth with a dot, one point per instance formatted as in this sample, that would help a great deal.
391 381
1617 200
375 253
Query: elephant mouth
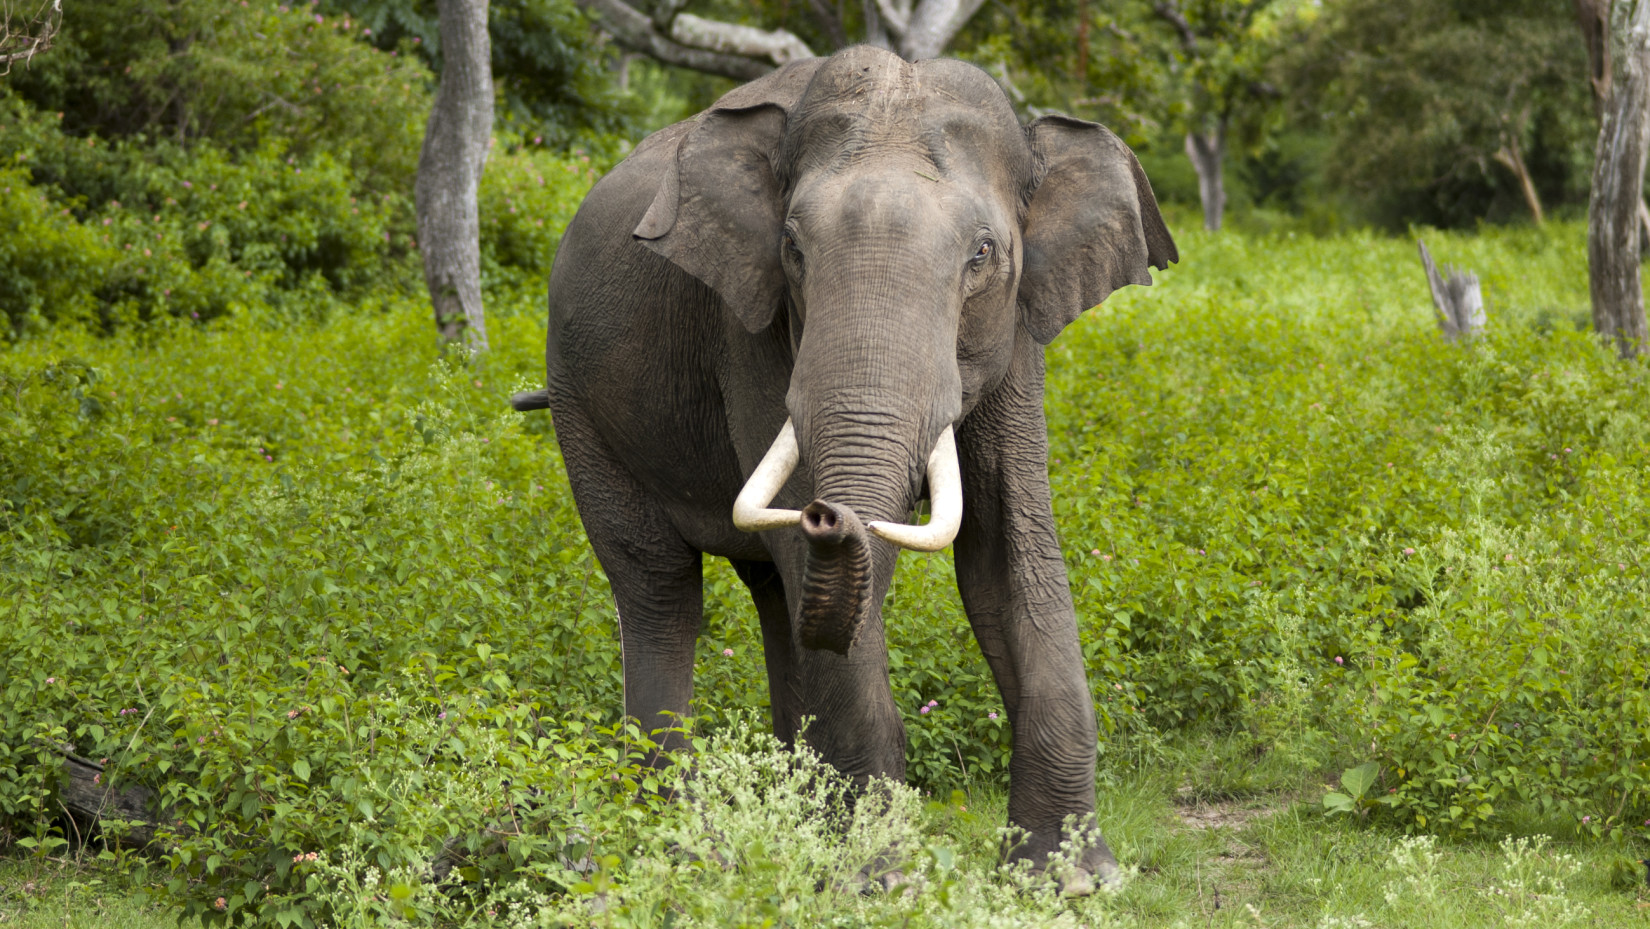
752 514
836 583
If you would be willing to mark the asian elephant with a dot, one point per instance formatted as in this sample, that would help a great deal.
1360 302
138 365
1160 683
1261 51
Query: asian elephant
777 326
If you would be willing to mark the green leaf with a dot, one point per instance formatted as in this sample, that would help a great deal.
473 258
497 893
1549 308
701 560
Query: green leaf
1357 781
301 768
1336 802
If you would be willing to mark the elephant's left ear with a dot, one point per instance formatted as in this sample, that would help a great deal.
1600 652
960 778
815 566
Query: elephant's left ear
1092 226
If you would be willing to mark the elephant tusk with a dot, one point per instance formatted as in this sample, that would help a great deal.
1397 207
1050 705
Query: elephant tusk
945 491
750 512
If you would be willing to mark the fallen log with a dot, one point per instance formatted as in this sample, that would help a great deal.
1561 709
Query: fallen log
92 802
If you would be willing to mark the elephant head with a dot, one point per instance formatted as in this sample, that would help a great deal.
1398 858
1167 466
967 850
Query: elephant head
908 230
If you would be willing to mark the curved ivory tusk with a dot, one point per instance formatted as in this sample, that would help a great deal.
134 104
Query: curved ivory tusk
750 512
945 491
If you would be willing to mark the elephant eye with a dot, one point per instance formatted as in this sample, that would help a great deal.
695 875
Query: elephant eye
982 253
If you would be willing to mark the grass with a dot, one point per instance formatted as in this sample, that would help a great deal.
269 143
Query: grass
339 596
1249 859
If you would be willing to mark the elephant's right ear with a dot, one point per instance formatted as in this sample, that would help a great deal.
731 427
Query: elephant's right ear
718 213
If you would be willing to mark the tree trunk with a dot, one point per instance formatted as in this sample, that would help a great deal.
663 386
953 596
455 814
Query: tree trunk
1082 71
1613 223
1512 158
933 24
1208 153
449 174
1594 18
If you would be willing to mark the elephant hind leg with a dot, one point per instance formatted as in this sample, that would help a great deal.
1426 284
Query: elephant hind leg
655 575
778 651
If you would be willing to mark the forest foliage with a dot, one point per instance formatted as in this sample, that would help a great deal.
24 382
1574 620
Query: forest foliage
263 554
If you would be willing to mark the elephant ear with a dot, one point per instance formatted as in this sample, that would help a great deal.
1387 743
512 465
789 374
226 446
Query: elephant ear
718 211
1092 225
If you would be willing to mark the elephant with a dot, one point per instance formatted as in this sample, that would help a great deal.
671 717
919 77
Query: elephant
776 327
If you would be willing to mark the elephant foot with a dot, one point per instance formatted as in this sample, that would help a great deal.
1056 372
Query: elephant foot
868 883
1092 868
882 875
1081 882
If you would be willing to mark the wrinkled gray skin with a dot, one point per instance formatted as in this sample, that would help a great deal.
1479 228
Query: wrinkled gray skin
876 249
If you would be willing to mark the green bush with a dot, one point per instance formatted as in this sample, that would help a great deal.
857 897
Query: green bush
254 566
233 74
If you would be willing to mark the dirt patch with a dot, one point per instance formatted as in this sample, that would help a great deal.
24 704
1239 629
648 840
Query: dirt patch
1223 814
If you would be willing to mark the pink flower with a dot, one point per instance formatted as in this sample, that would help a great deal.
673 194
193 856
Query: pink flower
211 422
924 711
1409 551
51 680
933 703
187 185
1339 660
221 904
993 715
1585 819
1095 552
727 653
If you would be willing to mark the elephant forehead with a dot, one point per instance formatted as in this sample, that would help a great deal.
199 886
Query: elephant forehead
866 105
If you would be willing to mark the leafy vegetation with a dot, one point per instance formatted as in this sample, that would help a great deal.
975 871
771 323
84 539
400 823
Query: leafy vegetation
326 597
329 599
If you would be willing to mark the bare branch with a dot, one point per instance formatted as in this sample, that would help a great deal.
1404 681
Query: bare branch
1169 11
896 18
31 37
875 33
699 44
779 46
665 10
830 20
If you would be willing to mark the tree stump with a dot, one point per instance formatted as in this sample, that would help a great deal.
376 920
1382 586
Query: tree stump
1456 298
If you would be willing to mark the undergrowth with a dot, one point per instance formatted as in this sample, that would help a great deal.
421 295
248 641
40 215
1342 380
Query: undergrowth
327 597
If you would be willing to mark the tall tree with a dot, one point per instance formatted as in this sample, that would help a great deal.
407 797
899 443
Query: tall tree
449 174
1613 224
1215 60
1442 108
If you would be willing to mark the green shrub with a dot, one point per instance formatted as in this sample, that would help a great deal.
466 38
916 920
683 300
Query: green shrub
233 74
285 552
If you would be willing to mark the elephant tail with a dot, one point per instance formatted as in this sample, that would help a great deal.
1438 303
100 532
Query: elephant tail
529 400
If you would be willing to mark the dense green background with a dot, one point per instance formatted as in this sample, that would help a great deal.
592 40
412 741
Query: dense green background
267 553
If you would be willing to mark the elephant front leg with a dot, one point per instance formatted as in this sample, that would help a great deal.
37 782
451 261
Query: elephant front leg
1013 583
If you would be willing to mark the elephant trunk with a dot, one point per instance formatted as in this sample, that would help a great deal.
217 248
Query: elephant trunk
837 578
836 583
